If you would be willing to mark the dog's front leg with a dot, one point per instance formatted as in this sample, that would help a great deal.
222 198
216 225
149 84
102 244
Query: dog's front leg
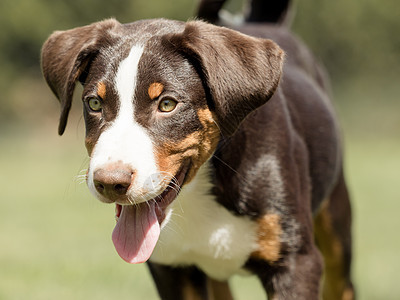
179 283
295 276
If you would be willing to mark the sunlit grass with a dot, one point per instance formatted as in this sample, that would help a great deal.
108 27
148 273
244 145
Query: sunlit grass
373 167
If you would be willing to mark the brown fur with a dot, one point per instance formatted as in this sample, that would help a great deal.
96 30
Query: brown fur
189 293
218 290
332 236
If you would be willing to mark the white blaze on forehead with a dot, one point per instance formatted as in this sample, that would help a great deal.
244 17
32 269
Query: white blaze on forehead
126 78
125 140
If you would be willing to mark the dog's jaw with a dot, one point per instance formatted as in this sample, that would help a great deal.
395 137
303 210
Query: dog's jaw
138 226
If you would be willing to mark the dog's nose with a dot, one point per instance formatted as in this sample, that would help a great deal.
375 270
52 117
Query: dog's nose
113 183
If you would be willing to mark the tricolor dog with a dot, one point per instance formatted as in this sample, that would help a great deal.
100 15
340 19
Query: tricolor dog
219 148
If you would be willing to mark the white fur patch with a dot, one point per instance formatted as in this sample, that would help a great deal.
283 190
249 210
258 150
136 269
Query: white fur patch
125 140
199 231
269 165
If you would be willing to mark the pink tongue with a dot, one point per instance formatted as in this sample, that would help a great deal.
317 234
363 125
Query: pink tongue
136 232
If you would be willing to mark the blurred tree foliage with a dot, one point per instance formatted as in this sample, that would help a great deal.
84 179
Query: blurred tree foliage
353 38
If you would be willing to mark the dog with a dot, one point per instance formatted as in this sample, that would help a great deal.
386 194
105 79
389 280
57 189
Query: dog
219 147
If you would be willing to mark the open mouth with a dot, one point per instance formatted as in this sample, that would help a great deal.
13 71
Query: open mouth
138 226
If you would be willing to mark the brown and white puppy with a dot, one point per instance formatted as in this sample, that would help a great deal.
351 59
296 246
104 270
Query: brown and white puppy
209 179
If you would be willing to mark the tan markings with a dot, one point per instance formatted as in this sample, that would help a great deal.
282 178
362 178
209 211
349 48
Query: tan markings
196 147
208 140
335 286
101 90
218 290
155 90
189 292
269 238
348 294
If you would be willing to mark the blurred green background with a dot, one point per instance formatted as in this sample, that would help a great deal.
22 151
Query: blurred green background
55 238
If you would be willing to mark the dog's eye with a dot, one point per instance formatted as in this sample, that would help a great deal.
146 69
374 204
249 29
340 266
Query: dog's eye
94 104
167 105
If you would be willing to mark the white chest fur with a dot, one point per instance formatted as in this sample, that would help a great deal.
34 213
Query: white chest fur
199 231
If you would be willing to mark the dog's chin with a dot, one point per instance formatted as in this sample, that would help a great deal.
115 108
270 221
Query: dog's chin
162 200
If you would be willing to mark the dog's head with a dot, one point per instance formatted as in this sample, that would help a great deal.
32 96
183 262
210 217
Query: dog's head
157 97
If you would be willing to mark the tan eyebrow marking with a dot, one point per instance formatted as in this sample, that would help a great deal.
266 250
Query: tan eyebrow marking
101 90
155 90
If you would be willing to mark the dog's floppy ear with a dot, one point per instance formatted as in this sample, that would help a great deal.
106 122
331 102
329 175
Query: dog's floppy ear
65 57
240 72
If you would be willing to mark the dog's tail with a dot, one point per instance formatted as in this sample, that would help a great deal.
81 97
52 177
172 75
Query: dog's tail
259 11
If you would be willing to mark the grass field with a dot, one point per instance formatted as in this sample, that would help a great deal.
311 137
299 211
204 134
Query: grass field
56 238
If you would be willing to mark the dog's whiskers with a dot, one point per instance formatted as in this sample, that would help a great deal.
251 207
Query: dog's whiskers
81 177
